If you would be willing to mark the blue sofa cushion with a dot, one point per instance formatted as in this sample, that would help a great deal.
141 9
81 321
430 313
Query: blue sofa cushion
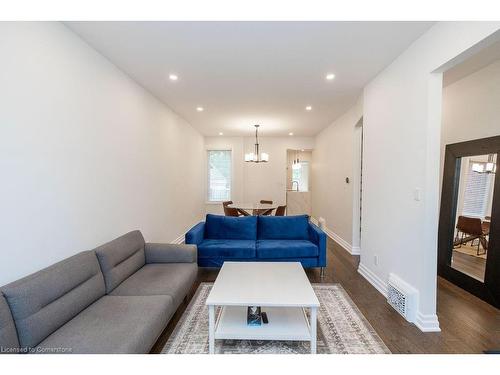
218 227
268 249
229 249
283 227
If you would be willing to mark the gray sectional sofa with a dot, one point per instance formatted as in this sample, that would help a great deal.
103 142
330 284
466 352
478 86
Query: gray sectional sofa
117 298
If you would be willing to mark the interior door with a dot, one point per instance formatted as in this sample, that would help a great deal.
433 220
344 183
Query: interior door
469 224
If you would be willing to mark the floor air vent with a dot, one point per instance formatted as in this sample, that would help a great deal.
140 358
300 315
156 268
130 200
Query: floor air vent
402 297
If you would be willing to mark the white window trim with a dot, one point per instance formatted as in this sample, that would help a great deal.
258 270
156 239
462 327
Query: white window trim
214 148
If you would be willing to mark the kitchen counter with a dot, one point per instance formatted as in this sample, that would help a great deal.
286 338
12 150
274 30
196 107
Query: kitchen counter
298 202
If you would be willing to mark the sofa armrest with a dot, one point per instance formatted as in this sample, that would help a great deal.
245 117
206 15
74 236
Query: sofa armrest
196 234
318 237
170 253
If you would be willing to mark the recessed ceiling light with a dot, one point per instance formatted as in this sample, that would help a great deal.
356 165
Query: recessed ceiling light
309 108
290 133
221 133
302 150
330 76
173 77
200 109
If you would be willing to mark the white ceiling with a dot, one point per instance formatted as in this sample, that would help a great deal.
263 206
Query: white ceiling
244 73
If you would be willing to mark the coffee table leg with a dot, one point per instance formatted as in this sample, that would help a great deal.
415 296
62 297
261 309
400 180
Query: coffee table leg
211 329
313 329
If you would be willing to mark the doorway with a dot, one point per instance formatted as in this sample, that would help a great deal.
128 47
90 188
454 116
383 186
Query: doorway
298 182
357 188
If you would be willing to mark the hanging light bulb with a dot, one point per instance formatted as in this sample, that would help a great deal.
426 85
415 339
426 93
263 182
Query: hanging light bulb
478 167
296 162
255 157
490 165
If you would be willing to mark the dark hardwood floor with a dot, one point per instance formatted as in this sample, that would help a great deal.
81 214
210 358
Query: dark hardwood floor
468 325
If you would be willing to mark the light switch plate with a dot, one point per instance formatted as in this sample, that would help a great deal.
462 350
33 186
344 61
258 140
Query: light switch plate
417 194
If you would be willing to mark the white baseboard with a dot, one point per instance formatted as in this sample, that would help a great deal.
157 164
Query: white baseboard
373 279
427 323
334 236
356 250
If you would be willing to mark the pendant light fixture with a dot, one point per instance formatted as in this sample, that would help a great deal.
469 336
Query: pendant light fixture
488 167
491 166
256 157
296 162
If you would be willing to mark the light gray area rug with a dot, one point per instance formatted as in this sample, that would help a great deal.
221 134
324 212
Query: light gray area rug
342 329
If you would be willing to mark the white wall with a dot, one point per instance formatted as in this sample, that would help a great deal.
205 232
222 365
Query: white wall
402 113
333 161
471 106
253 182
471 111
86 154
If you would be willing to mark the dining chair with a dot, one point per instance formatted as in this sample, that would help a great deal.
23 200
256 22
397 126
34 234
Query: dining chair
229 211
243 213
470 229
266 211
280 211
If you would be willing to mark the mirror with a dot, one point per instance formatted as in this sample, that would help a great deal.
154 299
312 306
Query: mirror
474 200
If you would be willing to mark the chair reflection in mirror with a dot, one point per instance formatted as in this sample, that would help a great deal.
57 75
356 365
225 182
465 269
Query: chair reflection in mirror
472 229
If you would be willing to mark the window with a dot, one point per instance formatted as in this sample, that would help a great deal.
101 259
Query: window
300 176
219 175
477 193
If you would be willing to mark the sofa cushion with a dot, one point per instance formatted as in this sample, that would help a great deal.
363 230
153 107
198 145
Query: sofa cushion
170 253
120 258
283 227
8 335
229 249
46 300
172 279
286 249
219 227
113 324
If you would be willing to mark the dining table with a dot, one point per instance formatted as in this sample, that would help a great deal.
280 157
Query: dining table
253 209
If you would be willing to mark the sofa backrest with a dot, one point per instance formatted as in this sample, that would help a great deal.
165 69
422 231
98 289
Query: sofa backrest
42 302
283 227
8 334
121 258
218 227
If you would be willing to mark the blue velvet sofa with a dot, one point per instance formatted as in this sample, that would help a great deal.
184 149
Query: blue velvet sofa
258 238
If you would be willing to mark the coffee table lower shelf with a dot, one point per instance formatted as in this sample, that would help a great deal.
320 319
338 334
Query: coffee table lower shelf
285 323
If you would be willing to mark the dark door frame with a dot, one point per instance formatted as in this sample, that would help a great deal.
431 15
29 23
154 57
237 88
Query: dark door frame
488 291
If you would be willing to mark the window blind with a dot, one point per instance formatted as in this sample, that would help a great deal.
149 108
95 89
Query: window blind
219 175
476 193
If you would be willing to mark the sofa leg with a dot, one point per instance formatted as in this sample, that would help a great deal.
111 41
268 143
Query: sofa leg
322 272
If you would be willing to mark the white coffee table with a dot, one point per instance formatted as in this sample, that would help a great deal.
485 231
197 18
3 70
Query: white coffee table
283 291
